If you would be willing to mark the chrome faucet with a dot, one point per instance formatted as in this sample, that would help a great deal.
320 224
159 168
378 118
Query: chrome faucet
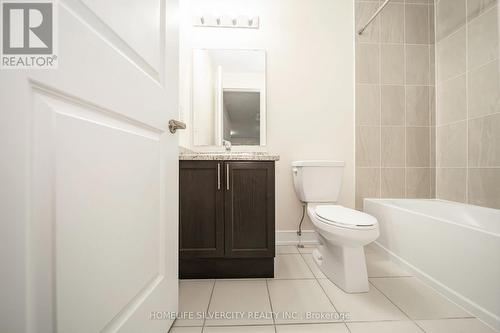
227 145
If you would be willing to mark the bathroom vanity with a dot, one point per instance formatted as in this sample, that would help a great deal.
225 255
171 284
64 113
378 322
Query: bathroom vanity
227 199
226 215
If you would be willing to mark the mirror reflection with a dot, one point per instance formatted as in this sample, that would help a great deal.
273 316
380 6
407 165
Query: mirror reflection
229 97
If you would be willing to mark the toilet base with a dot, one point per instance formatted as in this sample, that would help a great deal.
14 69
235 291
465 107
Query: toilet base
345 266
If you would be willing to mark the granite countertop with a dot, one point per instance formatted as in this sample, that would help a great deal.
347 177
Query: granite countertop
227 156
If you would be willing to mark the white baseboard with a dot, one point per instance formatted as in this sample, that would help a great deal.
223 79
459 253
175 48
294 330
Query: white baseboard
290 237
483 315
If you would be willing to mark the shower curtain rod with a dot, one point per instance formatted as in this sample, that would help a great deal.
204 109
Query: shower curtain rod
360 32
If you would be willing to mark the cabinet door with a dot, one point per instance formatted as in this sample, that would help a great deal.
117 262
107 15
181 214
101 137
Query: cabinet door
249 209
201 209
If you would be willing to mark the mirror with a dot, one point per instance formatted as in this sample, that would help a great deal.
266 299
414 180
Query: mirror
229 97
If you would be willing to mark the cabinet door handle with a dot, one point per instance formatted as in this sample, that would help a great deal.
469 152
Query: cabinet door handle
218 176
227 177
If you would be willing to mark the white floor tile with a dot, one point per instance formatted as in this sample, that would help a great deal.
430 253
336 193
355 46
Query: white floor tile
370 306
470 325
286 249
291 266
418 300
312 265
385 327
379 265
312 328
194 296
185 330
239 329
239 296
300 298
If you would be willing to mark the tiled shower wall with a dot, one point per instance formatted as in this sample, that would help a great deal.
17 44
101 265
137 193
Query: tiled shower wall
468 102
395 100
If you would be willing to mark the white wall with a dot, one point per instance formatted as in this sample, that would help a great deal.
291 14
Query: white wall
204 104
241 80
310 82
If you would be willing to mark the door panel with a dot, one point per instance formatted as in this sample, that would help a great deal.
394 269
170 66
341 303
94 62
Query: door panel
141 31
89 177
201 209
249 209
107 216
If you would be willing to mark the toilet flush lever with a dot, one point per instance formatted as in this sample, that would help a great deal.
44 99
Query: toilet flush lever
295 170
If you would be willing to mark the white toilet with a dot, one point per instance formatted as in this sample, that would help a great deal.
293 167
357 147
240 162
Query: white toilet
343 232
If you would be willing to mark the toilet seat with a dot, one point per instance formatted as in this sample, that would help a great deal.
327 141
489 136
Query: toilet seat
344 217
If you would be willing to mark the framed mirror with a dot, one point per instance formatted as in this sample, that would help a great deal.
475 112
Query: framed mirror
229 97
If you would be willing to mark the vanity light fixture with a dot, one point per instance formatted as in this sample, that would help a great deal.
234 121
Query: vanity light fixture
224 21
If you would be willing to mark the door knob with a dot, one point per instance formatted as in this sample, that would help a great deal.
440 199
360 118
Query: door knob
174 125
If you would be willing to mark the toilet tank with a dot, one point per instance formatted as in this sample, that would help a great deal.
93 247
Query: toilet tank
317 181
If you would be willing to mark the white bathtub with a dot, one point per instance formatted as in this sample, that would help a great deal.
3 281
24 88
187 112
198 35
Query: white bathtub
454 247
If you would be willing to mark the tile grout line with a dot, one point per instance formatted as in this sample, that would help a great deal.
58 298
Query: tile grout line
401 126
466 103
390 277
463 167
379 22
416 323
436 99
390 300
323 289
392 44
400 85
453 32
454 77
271 305
208 306
429 100
435 291
405 79
231 325
402 167
472 118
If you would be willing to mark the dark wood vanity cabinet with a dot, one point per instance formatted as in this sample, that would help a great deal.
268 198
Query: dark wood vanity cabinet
249 209
226 219
201 206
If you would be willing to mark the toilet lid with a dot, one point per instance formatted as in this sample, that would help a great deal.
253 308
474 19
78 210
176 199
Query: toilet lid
342 215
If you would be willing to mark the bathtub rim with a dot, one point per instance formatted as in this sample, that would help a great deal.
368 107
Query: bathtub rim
385 202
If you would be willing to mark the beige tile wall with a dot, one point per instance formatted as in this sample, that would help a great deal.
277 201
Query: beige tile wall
468 102
395 98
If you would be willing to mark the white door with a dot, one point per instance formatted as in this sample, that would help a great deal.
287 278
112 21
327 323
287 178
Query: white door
88 175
